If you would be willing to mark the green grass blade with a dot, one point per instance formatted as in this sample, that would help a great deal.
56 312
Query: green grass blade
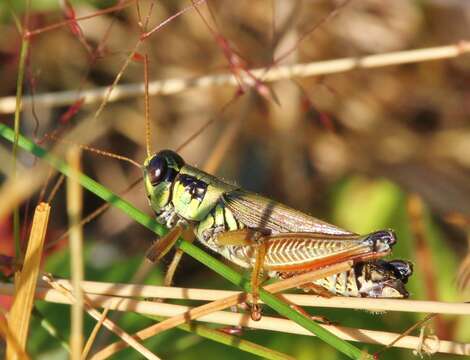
230 340
228 273
19 94
51 329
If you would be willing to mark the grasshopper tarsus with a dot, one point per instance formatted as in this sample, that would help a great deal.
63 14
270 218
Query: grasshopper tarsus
256 312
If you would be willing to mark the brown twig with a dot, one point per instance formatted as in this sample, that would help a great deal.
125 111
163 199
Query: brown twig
173 86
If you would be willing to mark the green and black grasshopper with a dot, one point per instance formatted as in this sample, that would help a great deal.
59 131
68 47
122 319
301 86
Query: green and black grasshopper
255 232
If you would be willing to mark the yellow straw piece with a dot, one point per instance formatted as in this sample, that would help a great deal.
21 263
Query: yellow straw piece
25 284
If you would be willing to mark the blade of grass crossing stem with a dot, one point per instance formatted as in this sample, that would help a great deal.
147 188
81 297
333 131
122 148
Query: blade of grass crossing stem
25 284
74 210
231 275
51 329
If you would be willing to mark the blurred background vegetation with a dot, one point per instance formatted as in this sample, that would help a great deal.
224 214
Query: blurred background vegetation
363 149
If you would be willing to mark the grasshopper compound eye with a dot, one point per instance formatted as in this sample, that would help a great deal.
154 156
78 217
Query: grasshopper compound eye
156 169
163 166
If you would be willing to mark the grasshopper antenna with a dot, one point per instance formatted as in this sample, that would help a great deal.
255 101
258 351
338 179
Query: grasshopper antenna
111 155
148 133
99 152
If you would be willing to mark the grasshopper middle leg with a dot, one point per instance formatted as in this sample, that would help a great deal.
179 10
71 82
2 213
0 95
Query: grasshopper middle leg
255 239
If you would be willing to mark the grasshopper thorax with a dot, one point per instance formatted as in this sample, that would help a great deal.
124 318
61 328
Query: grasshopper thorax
160 171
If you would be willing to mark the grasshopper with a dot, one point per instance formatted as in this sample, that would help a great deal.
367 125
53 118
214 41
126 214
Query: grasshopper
255 232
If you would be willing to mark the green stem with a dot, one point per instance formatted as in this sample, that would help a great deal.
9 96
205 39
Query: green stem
230 340
19 94
50 329
225 271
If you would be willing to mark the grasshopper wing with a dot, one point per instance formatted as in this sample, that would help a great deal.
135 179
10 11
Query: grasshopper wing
256 211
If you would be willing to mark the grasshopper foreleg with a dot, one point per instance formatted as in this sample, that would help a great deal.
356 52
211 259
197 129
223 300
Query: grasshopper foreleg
161 247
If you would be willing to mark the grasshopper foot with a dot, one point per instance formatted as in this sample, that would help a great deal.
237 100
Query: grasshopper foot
232 330
317 318
256 312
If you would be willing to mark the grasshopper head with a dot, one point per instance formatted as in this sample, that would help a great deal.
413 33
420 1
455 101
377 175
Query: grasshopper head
160 170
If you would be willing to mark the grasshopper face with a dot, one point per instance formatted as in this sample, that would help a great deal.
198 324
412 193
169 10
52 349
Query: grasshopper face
160 171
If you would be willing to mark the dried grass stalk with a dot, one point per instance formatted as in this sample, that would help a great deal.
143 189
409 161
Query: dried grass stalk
10 339
74 210
163 292
94 333
66 295
172 86
266 323
221 304
25 282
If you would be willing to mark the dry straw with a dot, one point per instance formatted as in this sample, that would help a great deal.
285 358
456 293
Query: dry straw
74 210
25 282
99 295
66 295
221 304
429 344
94 333
116 92
11 340
163 292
